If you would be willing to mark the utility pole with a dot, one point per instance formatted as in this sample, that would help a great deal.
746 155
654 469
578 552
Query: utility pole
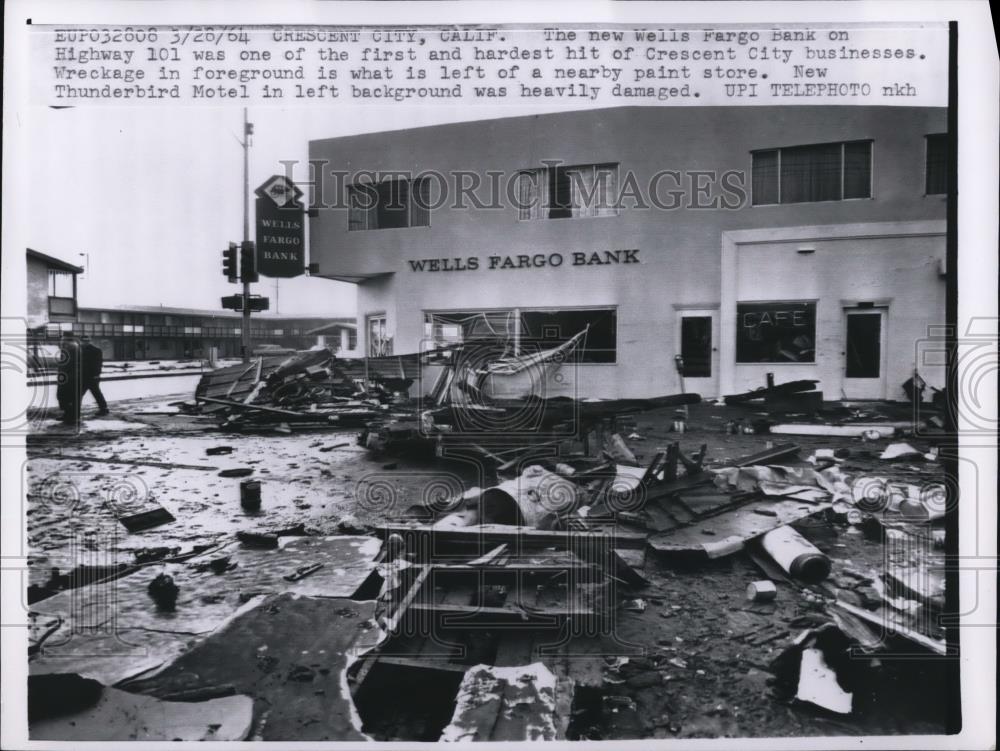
247 132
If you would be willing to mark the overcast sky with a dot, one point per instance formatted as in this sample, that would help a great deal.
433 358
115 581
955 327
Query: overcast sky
153 194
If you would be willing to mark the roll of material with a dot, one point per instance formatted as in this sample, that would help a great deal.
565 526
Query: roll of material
796 555
761 591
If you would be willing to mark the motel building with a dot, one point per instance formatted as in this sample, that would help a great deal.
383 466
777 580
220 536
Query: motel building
803 241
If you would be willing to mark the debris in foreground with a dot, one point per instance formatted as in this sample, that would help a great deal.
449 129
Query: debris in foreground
117 715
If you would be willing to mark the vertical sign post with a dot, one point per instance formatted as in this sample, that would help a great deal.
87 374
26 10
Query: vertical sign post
247 132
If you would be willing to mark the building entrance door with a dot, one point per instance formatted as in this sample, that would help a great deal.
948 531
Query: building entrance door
698 336
864 353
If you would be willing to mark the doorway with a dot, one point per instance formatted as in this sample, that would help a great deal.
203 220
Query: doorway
699 334
864 353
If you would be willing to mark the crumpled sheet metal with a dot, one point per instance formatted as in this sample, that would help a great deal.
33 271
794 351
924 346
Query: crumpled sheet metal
781 480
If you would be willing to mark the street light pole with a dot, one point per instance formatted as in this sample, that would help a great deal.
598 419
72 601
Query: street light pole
247 130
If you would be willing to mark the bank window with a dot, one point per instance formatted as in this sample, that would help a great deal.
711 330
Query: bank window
805 174
776 332
523 331
390 204
560 192
379 341
937 164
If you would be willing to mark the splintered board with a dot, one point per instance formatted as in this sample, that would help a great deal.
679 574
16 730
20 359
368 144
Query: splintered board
726 533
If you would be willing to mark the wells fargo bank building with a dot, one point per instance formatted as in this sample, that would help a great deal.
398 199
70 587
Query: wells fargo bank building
808 242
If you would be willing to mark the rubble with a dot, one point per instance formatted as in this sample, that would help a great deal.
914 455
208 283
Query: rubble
504 596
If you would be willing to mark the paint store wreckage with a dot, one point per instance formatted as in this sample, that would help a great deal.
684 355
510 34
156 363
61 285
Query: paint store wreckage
545 602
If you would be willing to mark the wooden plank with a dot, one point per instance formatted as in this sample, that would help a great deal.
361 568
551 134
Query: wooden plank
779 452
514 610
498 533
727 533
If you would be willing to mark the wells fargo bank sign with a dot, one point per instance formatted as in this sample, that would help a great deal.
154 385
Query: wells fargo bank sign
526 261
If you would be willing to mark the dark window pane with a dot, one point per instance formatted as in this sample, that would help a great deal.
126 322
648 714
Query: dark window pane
393 198
937 164
811 173
560 194
420 201
765 177
547 329
858 169
696 346
776 332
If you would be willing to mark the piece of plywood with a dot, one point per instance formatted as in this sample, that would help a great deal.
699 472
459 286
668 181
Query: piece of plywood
728 532
291 655
122 716
111 629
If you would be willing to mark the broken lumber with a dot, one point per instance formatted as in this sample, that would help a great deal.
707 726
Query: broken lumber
768 456
792 387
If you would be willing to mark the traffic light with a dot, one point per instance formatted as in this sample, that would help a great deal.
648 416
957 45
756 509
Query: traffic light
248 262
229 268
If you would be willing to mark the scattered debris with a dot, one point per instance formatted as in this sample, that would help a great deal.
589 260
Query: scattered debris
796 555
762 591
508 704
164 592
110 714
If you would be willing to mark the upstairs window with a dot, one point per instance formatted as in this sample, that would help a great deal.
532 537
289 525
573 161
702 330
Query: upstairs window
60 284
560 192
390 204
937 164
806 174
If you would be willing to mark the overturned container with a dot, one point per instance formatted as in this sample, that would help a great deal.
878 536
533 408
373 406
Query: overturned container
533 499
796 555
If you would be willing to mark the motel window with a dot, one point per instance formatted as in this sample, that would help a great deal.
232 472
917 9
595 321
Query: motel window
390 204
560 192
776 332
937 164
805 174
522 331
60 284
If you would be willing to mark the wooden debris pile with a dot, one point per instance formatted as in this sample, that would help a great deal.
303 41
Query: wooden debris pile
308 390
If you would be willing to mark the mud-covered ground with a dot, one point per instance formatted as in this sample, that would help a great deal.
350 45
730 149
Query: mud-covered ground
703 652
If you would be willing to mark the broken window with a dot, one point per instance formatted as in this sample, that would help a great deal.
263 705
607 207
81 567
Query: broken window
550 328
560 192
819 172
776 332
390 204
524 331
937 164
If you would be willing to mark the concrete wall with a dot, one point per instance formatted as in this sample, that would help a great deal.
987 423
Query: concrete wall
680 250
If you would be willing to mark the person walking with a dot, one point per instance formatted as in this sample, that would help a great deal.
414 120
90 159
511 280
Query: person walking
91 364
68 384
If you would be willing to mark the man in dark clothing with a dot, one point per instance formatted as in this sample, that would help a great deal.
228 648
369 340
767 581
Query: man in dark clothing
68 388
91 363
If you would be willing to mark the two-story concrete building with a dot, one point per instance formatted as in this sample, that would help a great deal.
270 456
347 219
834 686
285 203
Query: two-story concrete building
804 241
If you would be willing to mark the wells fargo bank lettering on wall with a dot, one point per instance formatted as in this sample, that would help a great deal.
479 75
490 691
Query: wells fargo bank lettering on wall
527 261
